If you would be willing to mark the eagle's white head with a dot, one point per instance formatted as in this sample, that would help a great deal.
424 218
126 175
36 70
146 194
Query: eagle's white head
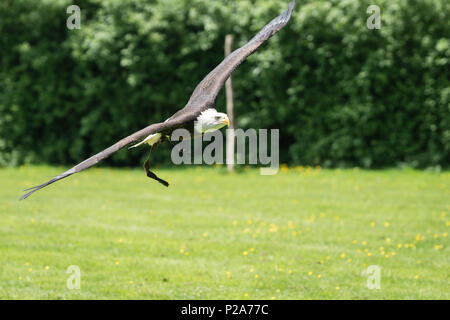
211 120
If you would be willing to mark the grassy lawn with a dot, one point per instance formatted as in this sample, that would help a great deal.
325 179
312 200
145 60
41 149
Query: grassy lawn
301 234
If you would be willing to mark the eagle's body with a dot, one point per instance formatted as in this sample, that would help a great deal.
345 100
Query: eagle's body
198 116
207 121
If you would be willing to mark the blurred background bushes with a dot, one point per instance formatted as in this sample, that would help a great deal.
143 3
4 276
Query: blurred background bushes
342 95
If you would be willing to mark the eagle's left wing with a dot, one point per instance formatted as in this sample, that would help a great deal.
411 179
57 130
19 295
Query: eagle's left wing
207 90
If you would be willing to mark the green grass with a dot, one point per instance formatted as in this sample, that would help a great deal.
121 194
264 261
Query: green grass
213 235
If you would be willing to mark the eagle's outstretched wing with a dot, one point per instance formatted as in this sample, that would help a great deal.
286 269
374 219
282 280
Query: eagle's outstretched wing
157 127
207 90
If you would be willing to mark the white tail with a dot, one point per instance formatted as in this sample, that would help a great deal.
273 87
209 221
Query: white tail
151 140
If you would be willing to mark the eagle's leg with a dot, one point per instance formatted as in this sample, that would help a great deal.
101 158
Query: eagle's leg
151 174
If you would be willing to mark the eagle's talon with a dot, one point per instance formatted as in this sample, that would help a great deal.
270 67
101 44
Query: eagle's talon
155 177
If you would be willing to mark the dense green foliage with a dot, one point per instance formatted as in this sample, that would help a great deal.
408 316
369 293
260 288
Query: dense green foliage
342 94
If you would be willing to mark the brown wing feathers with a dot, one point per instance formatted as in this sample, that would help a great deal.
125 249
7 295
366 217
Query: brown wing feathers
209 87
105 153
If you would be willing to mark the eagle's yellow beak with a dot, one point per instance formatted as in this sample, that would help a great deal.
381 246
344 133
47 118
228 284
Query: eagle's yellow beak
227 121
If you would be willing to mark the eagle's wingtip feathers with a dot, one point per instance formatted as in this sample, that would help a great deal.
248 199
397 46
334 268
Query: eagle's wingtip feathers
26 195
291 8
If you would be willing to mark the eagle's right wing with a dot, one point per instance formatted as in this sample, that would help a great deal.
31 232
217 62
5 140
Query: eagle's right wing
154 128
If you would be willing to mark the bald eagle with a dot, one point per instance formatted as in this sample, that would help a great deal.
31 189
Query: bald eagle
199 111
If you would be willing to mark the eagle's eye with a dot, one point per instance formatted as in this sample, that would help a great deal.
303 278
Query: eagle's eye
217 118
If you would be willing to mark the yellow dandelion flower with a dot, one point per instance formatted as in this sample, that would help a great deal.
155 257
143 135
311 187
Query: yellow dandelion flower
444 234
273 228
310 273
386 224
364 243
273 298
387 256
256 276
245 253
372 224
416 276
235 222
338 288
343 255
251 270
130 282
349 260
27 263
290 271
47 267
20 278
392 253
355 242
388 240
252 249
435 236
278 290
117 262
418 261
187 253
327 258
181 250
369 254
319 276
245 294
205 234
399 245
30 269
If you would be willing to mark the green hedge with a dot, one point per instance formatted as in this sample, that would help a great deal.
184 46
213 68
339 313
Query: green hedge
341 94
